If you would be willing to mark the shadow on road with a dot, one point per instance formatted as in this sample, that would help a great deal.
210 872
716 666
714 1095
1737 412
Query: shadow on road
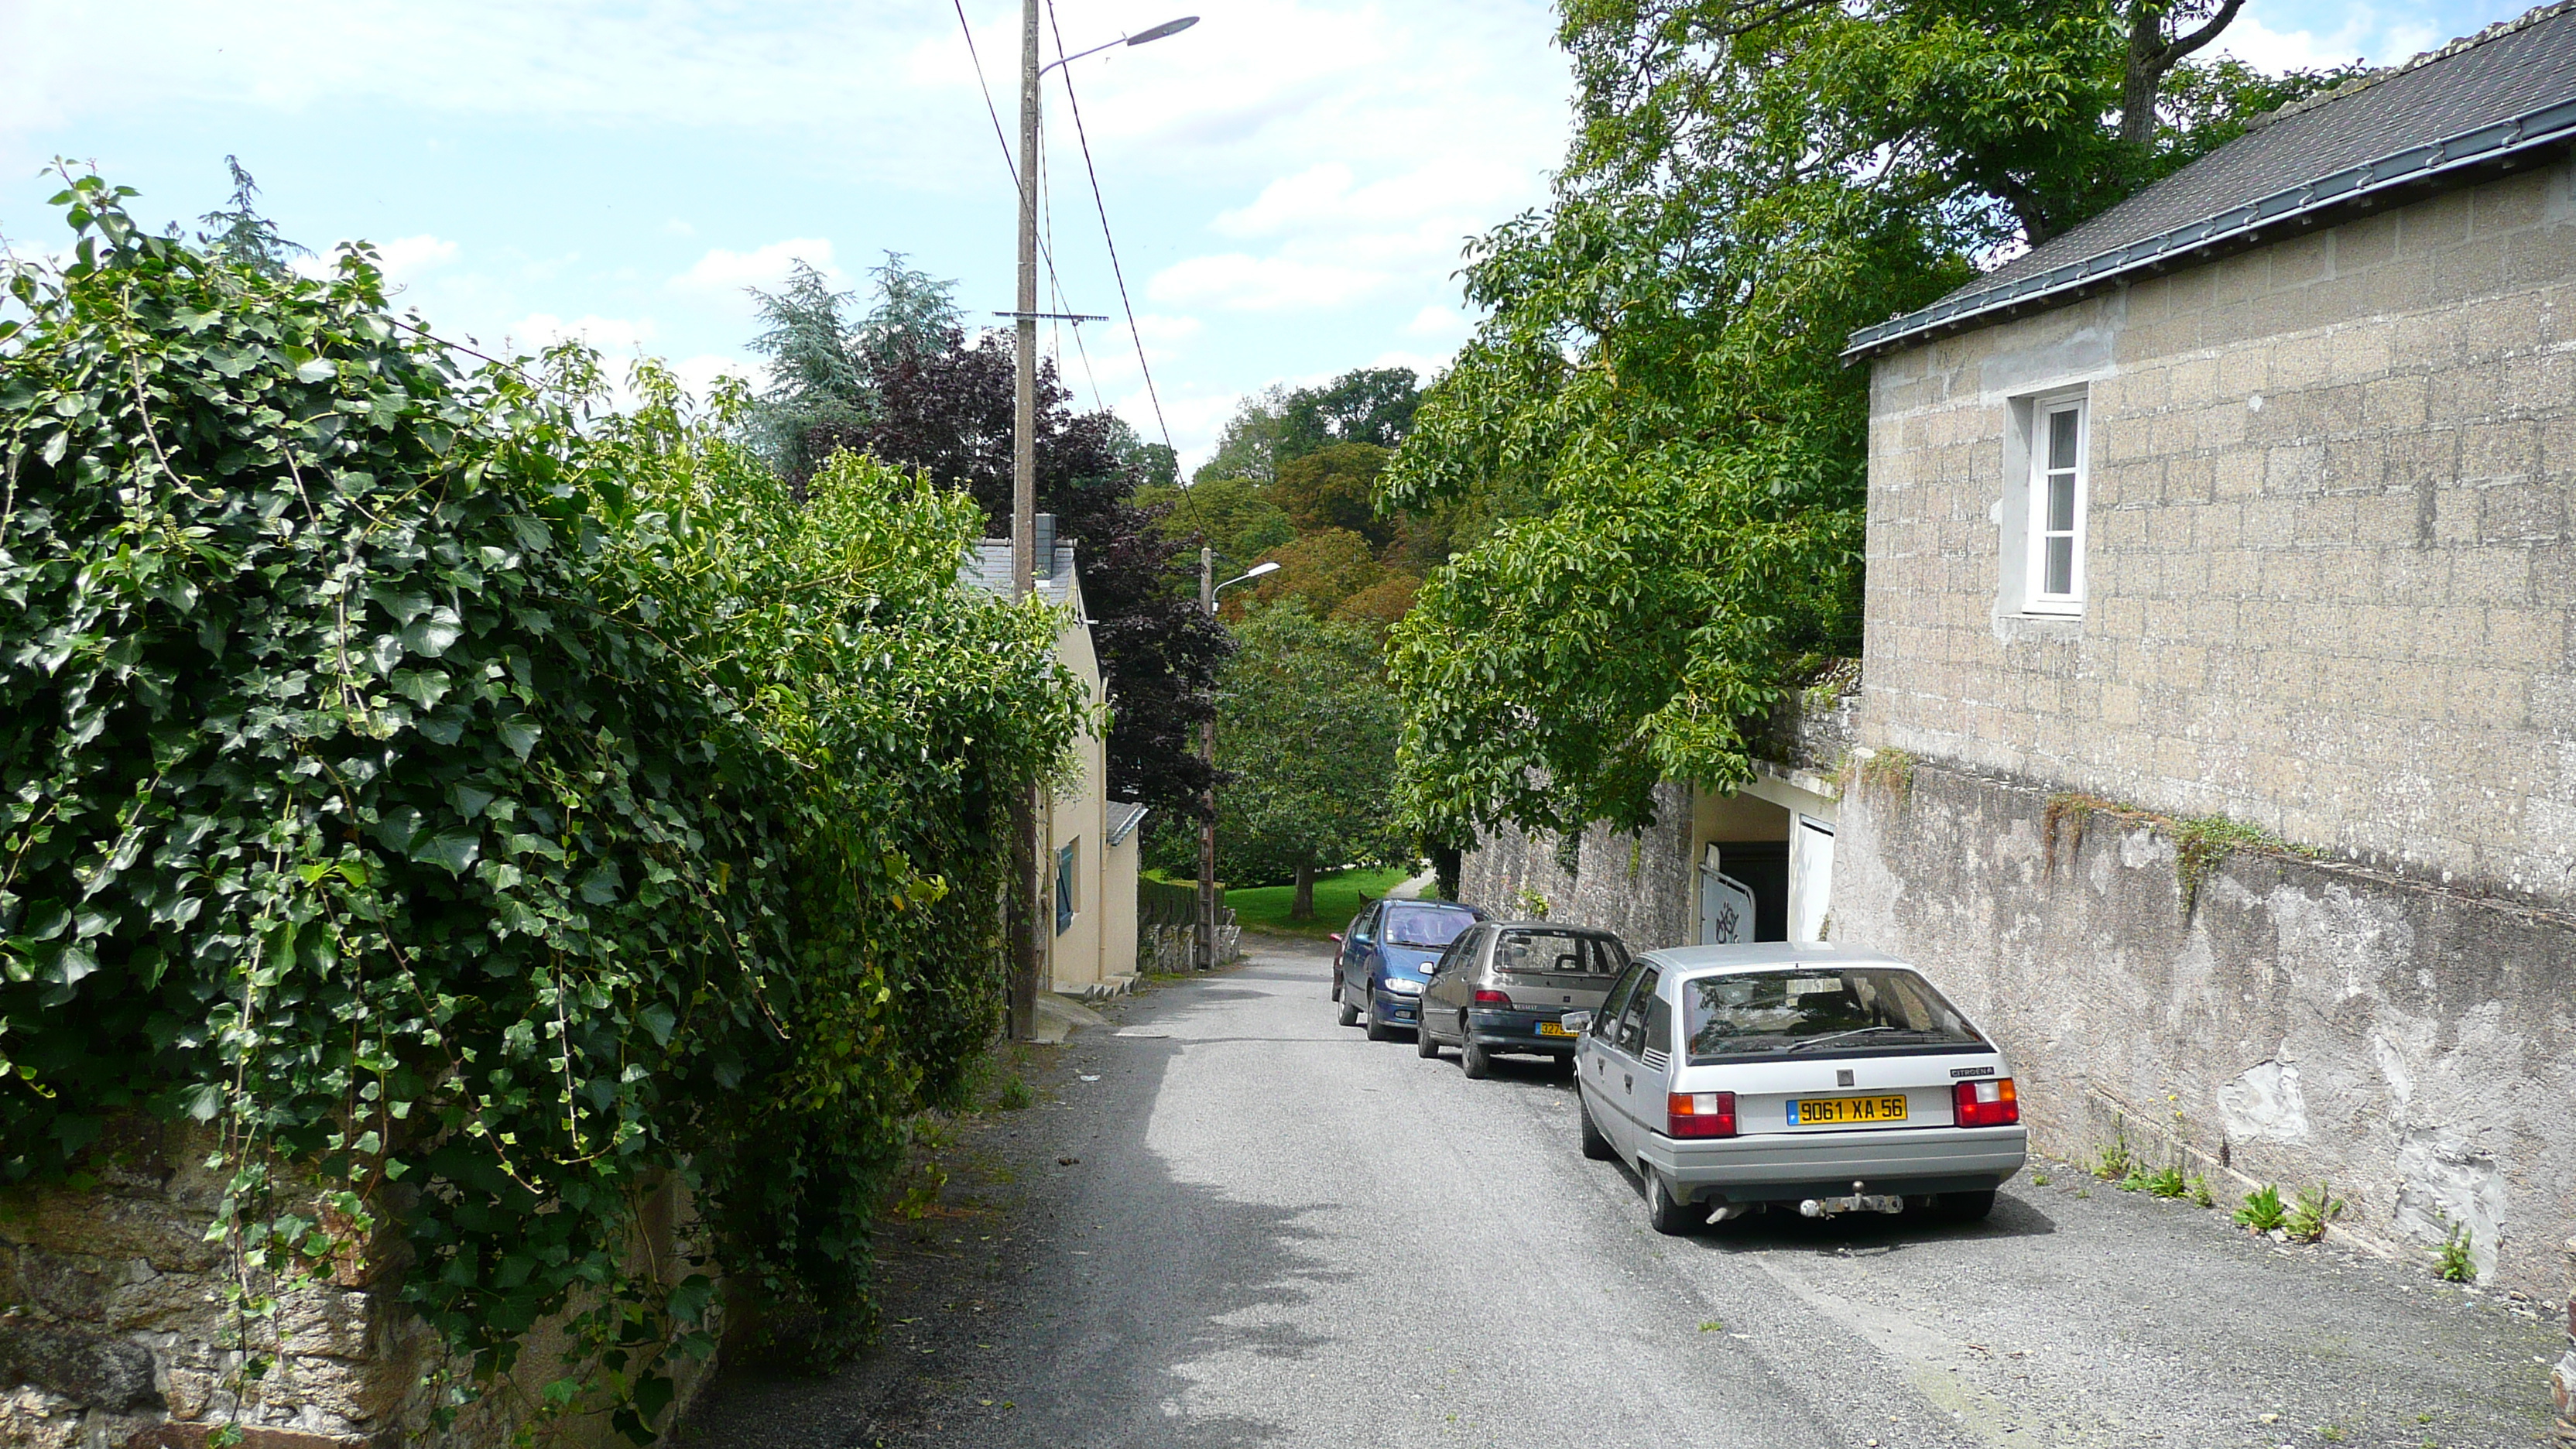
1100 1321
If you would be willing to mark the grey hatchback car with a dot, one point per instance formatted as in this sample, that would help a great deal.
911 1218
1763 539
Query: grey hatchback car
1506 987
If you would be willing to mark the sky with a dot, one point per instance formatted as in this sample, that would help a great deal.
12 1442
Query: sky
1289 183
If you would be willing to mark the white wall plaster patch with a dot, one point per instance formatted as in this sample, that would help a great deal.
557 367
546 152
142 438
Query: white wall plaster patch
2444 1182
2264 1104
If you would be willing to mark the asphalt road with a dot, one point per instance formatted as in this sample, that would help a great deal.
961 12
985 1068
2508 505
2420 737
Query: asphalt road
1239 1224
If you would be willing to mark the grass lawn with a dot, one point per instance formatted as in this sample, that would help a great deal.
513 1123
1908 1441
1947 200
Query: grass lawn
1337 899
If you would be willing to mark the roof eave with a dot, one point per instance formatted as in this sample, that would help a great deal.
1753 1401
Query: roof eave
2397 178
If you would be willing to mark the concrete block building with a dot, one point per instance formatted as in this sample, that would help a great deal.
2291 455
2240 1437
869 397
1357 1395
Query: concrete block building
2220 680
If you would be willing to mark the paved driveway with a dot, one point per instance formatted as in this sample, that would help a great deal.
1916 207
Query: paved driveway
1275 1232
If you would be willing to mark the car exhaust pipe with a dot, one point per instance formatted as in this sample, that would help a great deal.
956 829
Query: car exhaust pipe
1729 1211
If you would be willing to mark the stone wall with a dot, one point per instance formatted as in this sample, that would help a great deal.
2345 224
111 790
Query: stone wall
1635 883
115 1332
2331 570
2411 1045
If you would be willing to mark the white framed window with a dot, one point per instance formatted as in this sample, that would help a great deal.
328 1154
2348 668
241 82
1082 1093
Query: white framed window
2053 526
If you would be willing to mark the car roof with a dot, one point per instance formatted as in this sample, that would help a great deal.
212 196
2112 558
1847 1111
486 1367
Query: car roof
1477 911
1767 955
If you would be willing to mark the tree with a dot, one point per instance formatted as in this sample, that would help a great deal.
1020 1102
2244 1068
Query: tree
244 236
1247 446
817 376
1372 405
1279 424
1335 486
1322 570
1650 443
1232 515
1307 739
927 395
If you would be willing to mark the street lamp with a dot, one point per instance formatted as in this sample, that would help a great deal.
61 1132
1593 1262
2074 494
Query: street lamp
1027 856
1207 756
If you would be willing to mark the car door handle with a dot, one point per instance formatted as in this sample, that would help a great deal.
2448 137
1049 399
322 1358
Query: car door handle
1627 1082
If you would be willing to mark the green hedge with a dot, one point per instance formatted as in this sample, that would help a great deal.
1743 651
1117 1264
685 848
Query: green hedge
479 803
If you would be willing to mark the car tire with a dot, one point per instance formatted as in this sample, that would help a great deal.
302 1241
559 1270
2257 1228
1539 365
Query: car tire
1425 1045
1595 1146
1474 1060
1337 986
1350 1014
1378 1030
1967 1207
1666 1216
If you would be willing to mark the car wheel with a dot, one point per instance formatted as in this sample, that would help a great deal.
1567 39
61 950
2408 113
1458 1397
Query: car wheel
1350 1014
1378 1030
1670 1218
1967 1207
1424 1044
1474 1060
1595 1146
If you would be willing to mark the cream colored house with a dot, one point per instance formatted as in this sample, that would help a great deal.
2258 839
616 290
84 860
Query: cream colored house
1092 845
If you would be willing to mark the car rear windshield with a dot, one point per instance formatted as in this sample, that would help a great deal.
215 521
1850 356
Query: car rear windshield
1430 927
1858 1009
1557 953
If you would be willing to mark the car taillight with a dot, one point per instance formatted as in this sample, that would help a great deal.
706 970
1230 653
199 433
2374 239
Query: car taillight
1985 1104
1494 998
1699 1114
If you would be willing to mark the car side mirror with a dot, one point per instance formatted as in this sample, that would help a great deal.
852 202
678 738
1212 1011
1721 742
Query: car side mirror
1337 938
1577 1022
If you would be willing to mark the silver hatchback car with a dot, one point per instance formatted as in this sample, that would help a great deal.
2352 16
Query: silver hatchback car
1739 1078
1507 986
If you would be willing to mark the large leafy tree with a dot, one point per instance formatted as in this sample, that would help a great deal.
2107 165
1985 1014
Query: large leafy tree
1650 437
920 391
1307 740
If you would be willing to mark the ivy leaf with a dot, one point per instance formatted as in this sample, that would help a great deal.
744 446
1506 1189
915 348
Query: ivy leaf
520 733
660 1020
453 851
434 635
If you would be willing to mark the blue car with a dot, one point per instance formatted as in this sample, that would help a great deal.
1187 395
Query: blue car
1385 956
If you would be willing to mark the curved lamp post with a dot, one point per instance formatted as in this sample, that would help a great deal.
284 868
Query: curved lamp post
1207 756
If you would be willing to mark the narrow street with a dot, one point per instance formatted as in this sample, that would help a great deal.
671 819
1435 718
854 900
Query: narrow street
1273 1231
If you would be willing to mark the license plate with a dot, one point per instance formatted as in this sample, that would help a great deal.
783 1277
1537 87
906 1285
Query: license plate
1845 1111
1553 1028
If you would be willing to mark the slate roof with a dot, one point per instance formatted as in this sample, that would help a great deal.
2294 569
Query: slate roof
1124 817
2449 117
989 567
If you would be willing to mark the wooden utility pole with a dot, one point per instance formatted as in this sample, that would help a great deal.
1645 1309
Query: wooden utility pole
1027 857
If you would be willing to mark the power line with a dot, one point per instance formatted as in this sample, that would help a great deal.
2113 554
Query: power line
1133 331
1013 166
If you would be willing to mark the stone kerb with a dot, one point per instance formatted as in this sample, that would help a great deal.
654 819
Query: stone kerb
2562 1379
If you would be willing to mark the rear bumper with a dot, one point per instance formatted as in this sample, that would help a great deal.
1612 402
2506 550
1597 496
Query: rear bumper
1790 1166
1516 1031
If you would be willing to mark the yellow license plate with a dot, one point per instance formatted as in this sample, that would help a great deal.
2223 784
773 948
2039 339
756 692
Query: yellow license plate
1845 1111
1553 1028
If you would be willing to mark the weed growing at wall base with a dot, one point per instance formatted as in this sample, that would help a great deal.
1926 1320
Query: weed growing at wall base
2263 1210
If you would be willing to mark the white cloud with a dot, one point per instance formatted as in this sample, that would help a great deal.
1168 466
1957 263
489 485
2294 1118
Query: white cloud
730 271
408 257
1264 284
608 334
